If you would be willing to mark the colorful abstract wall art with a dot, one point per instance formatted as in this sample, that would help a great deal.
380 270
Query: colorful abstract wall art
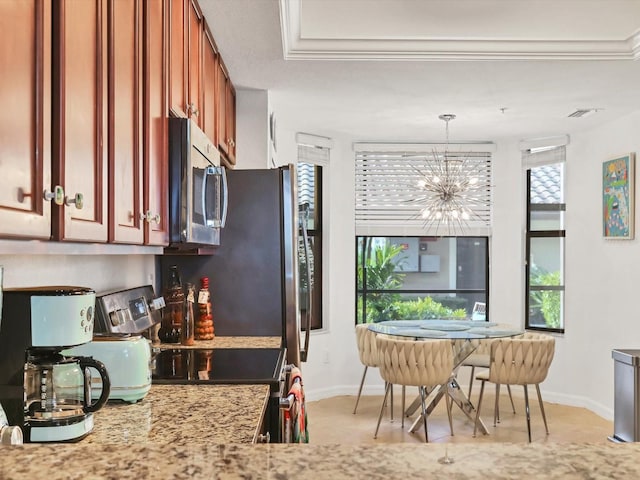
618 197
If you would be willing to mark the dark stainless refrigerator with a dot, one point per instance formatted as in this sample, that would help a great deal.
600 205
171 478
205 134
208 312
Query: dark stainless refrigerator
254 273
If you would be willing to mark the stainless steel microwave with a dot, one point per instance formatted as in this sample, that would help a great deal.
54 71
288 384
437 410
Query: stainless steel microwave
197 186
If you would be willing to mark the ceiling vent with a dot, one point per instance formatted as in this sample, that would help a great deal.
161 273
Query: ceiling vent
583 112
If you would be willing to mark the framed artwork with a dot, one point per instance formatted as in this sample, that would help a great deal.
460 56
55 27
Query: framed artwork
618 197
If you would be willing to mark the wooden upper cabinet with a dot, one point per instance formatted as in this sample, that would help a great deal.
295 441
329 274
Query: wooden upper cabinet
79 143
186 26
155 126
209 88
196 29
178 65
25 116
226 116
223 80
126 224
230 119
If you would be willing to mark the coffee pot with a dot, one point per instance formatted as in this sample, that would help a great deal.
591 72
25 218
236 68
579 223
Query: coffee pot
58 388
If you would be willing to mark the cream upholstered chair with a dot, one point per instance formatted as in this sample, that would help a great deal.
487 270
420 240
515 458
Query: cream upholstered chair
425 363
519 361
480 359
366 340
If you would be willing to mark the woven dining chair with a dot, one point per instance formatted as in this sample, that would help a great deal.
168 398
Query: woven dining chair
480 359
422 364
366 341
519 361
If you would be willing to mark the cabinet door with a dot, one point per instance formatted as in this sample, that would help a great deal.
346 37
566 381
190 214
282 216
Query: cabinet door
178 57
80 119
156 168
230 120
209 88
223 80
195 62
25 129
125 121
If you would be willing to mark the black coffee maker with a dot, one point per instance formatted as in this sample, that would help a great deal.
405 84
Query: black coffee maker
41 390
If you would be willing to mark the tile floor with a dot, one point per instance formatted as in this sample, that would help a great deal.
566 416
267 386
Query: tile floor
332 421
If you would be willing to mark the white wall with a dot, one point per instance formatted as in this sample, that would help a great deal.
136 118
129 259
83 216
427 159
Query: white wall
601 276
100 272
252 129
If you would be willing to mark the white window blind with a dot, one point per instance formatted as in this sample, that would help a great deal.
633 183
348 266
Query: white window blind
535 157
308 157
388 197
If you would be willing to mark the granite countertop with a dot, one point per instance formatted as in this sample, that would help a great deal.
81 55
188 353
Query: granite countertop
204 432
186 414
268 461
180 415
228 342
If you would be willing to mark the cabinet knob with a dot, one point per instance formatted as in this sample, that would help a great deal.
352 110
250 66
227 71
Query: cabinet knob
78 201
150 217
57 195
192 109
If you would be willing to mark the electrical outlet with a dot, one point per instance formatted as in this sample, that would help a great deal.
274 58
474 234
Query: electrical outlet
325 356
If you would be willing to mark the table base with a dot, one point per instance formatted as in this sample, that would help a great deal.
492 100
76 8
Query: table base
459 398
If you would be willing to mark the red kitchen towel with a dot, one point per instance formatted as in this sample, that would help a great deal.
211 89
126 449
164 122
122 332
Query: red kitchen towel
300 431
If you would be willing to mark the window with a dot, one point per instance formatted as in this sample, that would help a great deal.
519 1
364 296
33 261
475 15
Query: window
545 235
406 269
312 159
409 278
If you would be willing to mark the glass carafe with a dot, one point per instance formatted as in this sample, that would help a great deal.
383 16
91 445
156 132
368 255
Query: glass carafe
58 387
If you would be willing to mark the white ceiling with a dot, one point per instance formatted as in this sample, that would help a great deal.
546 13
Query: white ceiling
383 70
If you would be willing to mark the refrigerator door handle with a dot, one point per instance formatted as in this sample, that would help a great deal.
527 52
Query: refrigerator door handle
305 351
225 197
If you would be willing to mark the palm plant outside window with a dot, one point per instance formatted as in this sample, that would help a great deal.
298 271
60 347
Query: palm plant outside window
410 278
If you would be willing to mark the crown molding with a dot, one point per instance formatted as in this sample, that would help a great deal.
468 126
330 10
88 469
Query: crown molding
634 43
297 47
421 147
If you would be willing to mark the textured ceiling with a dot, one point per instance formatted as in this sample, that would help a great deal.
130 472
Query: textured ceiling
400 100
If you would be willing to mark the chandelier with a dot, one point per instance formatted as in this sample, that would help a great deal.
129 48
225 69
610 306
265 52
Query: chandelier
449 187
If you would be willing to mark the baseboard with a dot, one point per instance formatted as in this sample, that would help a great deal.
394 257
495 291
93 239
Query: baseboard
552 397
579 401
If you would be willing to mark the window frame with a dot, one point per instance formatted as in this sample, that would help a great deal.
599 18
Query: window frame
363 291
316 151
561 234
317 245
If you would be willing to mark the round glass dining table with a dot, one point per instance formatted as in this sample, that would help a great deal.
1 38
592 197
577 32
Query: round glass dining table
453 329
461 333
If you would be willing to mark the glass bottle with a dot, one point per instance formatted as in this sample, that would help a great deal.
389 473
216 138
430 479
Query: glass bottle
187 334
173 315
204 322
